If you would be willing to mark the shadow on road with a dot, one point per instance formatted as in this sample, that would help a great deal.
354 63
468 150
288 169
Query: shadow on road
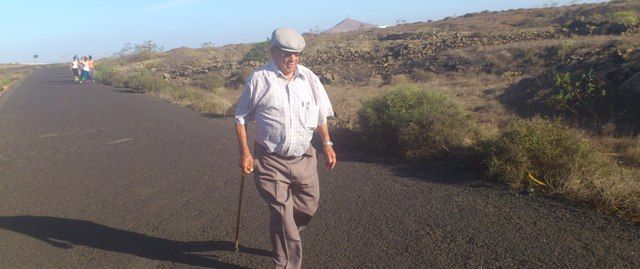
61 82
123 90
215 116
453 170
65 233
444 172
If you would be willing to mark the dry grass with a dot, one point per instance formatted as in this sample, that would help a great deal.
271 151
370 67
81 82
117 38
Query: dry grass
198 99
477 92
632 154
576 42
612 189
12 74
213 99
625 150
347 100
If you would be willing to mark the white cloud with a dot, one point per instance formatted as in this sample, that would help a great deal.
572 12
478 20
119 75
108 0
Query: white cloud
174 4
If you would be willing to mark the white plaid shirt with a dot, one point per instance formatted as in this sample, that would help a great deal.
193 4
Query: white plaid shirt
286 112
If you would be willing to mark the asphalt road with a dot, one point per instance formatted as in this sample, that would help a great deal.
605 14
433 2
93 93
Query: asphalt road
97 177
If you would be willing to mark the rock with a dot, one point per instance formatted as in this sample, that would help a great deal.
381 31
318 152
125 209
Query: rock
631 87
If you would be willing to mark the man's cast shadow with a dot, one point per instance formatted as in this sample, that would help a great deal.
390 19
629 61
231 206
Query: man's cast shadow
67 233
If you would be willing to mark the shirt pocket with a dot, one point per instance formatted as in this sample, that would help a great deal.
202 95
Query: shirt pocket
310 116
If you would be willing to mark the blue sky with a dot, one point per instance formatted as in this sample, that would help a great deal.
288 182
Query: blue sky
53 29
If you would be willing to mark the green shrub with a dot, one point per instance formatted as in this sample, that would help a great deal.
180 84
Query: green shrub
542 149
625 17
415 123
258 53
595 101
5 81
144 81
105 71
137 82
582 94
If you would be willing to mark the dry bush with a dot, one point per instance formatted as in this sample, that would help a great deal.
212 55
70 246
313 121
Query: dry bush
627 150
415 123
566 163
544 149
110 72
132 53
213 104
117 79
181 57
610 188
633 154
210 81
145 81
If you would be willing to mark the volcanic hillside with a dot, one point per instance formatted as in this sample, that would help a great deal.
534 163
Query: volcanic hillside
529 46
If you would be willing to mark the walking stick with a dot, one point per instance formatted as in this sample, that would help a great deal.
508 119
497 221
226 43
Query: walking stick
237 248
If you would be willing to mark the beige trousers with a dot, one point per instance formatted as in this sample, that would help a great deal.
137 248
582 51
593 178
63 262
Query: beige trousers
291 189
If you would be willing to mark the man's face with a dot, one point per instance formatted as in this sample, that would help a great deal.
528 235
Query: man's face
286 61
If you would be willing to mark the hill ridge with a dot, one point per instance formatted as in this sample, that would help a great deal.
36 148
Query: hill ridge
347 25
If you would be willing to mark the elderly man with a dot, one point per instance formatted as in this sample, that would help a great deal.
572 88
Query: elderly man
288 103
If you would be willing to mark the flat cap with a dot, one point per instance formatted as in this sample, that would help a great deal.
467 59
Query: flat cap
287 39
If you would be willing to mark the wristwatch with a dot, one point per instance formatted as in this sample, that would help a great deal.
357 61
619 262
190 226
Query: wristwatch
327 143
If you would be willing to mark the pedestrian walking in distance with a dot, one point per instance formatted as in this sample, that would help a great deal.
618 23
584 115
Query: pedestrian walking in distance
288 104
75 68
84 66
91 67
